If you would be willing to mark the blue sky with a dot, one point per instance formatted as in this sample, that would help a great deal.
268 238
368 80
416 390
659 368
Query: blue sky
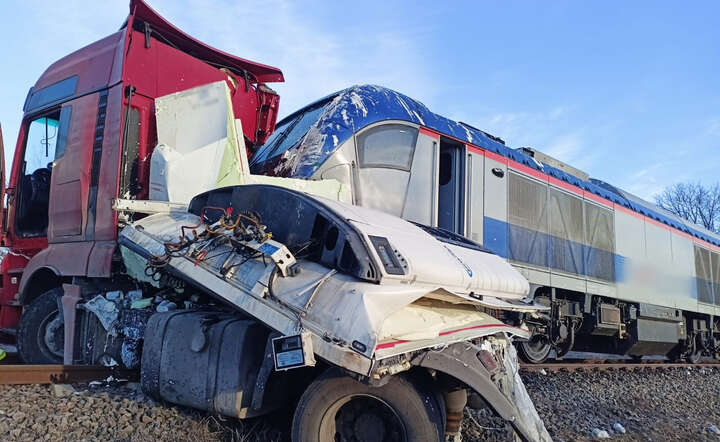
627 91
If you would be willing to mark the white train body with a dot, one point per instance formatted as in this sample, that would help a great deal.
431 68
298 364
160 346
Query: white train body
622 272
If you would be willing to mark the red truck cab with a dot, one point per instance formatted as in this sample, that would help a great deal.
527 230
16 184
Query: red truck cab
87 134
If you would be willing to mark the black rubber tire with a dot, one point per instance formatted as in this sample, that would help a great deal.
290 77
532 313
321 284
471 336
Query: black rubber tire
31 333
416 411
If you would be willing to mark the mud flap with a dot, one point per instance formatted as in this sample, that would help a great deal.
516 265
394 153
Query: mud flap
500 386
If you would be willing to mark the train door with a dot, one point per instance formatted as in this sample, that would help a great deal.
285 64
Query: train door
475 165
451 189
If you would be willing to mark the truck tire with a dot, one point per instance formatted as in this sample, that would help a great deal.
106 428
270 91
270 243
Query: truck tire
41 335
336 407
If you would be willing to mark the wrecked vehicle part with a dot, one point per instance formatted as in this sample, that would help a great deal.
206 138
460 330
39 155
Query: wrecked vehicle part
415 256
374 325
226 349
289 304
501 386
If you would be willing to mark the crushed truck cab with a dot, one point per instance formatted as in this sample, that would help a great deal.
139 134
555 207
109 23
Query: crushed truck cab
364 291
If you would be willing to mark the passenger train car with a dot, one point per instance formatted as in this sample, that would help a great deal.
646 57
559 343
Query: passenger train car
619 274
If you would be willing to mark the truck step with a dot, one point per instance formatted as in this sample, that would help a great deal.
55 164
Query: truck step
9 331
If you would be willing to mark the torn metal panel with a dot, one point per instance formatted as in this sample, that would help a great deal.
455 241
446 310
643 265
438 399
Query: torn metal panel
106 311
198 144
490 368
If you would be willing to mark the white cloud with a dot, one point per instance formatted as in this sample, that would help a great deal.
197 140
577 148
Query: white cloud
316 57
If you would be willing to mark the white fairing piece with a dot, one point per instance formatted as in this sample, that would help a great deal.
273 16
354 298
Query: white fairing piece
200 144
453 268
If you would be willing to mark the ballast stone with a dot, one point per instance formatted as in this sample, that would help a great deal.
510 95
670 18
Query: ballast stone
618 428
600 434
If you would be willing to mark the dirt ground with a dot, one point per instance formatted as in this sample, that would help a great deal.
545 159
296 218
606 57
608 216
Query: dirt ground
676 404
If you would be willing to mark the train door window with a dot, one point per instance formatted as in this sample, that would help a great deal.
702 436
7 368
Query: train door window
385 154
44 141
451 186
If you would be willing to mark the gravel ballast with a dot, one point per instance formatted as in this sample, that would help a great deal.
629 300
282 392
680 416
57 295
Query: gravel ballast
658 405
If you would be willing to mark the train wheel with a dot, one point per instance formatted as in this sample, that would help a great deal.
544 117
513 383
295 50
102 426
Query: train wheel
535 350
41 335
695 357
338 408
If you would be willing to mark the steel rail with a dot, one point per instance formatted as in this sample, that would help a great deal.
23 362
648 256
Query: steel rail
605 366
59 374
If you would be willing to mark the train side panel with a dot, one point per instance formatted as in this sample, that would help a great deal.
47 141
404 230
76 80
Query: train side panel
683 264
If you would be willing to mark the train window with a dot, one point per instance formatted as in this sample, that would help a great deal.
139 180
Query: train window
566 233
389 145
528 220
289 134
600 240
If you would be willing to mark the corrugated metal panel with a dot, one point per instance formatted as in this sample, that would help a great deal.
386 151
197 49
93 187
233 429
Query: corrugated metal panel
716 276
703 274
566 228
600 233
528 220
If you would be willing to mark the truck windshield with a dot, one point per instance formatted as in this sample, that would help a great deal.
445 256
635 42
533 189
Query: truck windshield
288 134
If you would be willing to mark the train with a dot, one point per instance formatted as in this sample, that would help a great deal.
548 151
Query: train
619 274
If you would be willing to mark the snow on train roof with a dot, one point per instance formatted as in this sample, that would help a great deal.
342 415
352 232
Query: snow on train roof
327 123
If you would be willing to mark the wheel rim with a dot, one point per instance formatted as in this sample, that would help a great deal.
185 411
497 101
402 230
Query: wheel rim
536 349
362 418
51 335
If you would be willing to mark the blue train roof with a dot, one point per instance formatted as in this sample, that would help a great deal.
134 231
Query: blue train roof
304 140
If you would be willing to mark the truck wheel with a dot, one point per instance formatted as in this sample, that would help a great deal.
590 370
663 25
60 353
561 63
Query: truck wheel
338 408
41 335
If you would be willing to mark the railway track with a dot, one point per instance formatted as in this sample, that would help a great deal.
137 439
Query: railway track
59 374
601 365
18 374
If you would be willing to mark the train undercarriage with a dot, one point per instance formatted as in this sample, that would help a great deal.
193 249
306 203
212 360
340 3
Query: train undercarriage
590 323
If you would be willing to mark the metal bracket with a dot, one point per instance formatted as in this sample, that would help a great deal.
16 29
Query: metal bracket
276 251
146 206
461 361
267 367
